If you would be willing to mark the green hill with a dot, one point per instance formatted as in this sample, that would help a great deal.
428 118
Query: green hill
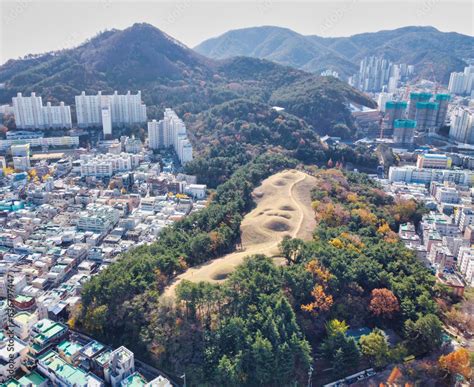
420 46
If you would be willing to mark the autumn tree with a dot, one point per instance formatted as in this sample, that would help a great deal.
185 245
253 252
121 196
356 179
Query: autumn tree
383 303
456 362
321 300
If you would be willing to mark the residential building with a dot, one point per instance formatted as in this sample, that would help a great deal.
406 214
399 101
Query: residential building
404 131
31 114
62 374
21 163
106 121
124 109
13 352
98 218
45 333
426 114
443 103
465 264
170 131
60 142
462 83
462 125
394 110
106 165
23 323
414 99
121 365
412 174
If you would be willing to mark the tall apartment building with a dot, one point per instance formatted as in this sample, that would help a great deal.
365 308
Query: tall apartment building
404 131
463 82
125 109
394 110
462 125
426 114
382 100
465 264
106 121
375 73
443 102
57 116
31 114
414 99
170 131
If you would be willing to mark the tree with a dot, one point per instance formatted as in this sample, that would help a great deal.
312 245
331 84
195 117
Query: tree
292 249
375 347
383 303
457 362
339 349
425 334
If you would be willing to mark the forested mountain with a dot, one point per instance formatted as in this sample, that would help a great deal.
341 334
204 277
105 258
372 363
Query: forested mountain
169 74
414 45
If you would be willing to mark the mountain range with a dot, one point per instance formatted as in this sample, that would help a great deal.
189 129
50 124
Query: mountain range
425 47
168 73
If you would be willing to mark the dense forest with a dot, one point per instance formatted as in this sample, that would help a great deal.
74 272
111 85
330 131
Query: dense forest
231 134
266 324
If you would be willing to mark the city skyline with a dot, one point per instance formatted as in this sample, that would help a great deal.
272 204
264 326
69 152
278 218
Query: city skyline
42 30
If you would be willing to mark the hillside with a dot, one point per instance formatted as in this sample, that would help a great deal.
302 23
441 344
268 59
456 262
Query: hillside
169 74
280 45
416 45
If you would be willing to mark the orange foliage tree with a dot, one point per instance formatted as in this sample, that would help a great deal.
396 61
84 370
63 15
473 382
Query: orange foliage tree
383 303
456 362
322 301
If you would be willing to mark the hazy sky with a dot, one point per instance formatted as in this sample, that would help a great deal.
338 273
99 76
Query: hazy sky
35 26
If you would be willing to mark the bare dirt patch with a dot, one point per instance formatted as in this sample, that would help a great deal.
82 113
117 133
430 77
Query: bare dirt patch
277 226
265 226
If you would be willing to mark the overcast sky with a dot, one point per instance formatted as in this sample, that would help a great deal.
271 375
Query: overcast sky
36 26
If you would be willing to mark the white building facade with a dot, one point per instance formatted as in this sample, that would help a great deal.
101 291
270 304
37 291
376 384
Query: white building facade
125 109
31 114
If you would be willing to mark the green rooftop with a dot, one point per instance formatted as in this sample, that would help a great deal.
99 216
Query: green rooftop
395 105
104 357
404 124
443 97
69 348
420 96
134 380
10 383
427 105
66 372
33 379
47 329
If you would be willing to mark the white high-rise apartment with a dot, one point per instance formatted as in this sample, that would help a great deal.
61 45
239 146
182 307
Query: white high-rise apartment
57 116
170 131
125 109
158 136
106 121
462 125
31 114
462 82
